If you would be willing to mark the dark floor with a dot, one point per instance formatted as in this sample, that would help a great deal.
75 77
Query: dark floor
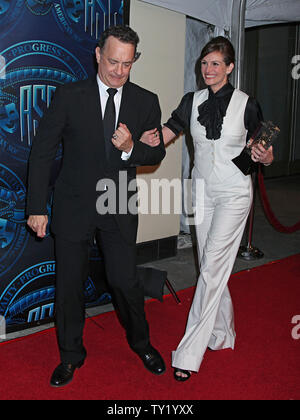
284 197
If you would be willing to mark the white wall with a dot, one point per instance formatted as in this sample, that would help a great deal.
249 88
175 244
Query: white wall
161 70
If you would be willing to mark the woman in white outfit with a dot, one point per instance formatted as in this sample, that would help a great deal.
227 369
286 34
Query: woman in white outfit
221 120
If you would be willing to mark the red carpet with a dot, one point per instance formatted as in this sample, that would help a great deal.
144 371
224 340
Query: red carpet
264 365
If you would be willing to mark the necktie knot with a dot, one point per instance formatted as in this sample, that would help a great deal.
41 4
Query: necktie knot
112 92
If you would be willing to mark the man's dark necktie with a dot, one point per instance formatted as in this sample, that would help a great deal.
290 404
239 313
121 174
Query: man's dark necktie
109 122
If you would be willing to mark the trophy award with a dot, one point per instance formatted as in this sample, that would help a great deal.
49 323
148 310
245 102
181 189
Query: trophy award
265 135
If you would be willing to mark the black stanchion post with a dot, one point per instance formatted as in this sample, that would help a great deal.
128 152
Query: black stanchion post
249 252
173 293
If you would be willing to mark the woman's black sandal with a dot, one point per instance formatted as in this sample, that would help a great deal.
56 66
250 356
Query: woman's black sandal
181 378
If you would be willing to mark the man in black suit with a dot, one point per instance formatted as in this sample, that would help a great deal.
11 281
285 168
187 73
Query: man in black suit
100 122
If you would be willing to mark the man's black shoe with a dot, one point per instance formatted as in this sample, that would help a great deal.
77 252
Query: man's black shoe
63 374
152 360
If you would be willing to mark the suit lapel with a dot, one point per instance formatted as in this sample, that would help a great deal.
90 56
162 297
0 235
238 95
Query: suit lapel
125 108
92 107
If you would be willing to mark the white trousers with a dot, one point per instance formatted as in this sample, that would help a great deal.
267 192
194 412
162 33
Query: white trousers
225 209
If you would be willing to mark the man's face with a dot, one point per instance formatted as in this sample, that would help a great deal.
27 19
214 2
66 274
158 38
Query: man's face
115 62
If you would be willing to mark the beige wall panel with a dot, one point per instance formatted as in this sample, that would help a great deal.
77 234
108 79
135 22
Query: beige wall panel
161 70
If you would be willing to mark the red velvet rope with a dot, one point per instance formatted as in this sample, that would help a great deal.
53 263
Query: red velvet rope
268 211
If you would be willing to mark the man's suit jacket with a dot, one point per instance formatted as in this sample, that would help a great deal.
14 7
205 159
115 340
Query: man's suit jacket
75 118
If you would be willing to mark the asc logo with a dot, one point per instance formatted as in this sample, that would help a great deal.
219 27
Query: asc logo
26 90
85 20
30 296
13 233
81 20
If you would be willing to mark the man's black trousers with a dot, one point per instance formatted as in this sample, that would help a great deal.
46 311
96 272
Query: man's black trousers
72 263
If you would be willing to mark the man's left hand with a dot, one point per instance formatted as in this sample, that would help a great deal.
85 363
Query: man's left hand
122 139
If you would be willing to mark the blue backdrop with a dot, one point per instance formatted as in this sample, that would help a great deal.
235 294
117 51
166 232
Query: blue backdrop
43 44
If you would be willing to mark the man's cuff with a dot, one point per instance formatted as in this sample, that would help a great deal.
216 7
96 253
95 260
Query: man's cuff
126 156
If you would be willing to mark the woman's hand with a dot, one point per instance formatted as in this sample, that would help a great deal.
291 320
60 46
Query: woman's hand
151 137
261 155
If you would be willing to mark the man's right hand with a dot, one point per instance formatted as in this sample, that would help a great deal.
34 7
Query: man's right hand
38 224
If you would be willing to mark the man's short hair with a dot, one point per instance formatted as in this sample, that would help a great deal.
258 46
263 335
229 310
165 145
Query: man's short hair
122 33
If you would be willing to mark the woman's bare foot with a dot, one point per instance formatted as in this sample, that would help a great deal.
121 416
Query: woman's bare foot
182 375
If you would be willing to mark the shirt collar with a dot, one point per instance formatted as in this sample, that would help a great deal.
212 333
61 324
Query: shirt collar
224 91
103 88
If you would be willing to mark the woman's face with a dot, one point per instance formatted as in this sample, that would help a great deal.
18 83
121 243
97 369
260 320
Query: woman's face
214 70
